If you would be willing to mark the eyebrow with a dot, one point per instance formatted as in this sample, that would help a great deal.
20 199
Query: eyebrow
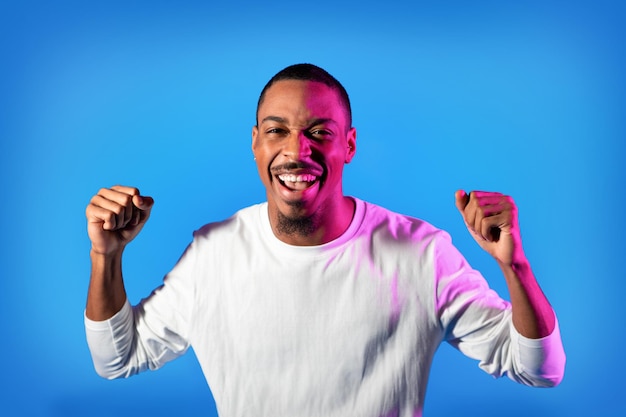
322 121
273 119
314 122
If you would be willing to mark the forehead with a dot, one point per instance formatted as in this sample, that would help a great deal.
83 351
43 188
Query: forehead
297 98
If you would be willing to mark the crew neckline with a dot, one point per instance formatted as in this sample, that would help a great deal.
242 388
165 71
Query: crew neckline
286 248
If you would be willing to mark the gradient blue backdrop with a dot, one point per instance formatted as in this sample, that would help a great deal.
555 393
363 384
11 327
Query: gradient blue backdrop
527 98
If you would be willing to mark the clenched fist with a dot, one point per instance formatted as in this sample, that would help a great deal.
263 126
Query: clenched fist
491 219
115 216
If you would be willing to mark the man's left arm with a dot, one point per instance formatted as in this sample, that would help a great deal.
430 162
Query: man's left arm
492 220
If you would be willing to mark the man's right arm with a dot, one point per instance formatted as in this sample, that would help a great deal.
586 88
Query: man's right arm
114 218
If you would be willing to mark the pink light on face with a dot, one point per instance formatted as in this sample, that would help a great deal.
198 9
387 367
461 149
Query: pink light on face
303 134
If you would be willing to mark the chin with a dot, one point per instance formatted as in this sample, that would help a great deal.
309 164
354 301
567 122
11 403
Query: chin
299 223
296 210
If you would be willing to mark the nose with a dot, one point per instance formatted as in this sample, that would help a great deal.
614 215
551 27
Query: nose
297 146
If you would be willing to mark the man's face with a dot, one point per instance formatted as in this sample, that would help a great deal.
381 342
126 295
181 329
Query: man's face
301 143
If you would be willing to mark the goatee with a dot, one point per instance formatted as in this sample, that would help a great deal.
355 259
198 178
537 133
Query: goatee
300 225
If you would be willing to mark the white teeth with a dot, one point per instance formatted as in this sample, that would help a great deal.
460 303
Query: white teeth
297 178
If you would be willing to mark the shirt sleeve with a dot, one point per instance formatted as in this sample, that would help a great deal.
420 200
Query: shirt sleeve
149 334
110 341
478 322
541 361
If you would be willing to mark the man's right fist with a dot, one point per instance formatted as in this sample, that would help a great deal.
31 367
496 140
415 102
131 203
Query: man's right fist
115 216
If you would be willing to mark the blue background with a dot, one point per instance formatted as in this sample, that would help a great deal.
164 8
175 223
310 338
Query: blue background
527 98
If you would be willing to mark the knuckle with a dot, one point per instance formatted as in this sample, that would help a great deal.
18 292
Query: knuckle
109 217
117 210
92 208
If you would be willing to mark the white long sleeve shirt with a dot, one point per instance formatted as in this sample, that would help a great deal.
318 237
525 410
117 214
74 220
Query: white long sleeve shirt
348 328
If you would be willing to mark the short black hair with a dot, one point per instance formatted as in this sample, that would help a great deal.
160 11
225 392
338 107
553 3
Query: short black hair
309 72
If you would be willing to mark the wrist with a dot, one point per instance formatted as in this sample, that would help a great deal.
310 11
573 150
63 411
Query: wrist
519 265
111 254
519 274
102 263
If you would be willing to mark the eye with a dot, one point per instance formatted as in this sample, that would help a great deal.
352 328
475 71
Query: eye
275 131
320 133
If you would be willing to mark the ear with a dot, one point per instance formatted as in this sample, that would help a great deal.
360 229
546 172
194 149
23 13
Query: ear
350 145
255 134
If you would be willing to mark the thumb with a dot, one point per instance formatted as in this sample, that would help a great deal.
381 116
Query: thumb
461 200
141 213
143 202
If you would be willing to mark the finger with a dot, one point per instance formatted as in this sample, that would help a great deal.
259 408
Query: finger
132 193
490 208
492 226
114 214
143 202
136 217
474 210
488 220
127 203
490 200
98 214
142 208
486 204
121 203
477 214
494 204
461 200
482 194
126 190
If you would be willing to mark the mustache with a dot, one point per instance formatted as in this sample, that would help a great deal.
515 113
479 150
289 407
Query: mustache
290 166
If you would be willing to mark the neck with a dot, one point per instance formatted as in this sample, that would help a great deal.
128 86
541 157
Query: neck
321 227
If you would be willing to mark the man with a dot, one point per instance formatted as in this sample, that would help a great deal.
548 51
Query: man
315 303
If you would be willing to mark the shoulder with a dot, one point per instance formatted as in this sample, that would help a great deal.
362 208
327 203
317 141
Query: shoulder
244 221
400 227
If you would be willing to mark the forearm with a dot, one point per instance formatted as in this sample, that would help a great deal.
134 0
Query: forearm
533 316
106 294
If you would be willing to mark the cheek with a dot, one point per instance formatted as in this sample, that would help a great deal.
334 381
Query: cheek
334 168
337 160
261 167
263 162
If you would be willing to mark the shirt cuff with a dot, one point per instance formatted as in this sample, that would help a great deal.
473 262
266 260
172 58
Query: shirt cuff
543 360
121 316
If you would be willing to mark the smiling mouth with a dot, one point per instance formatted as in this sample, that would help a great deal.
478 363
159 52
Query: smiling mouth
297 182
